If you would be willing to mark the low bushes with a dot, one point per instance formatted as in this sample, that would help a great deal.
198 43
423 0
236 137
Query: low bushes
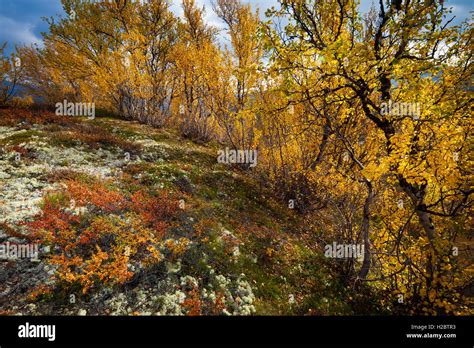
99 235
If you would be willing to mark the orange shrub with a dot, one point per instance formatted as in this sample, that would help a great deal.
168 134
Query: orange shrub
13 116
97 195
96 249
153 209
192 303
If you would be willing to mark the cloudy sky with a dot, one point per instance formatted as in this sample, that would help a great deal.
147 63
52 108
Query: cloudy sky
21 20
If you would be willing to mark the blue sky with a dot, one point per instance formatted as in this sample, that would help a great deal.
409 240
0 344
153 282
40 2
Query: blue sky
21 20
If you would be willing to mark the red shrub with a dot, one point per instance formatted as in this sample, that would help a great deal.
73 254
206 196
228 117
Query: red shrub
99 248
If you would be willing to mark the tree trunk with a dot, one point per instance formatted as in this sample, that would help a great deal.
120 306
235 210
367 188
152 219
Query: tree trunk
364 271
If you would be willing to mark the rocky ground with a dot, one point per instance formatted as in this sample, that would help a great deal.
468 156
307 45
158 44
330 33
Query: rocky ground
242 254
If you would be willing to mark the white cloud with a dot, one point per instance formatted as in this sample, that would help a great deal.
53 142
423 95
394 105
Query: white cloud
210 17
17 32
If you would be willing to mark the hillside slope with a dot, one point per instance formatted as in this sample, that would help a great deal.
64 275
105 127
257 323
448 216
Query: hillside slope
134 220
